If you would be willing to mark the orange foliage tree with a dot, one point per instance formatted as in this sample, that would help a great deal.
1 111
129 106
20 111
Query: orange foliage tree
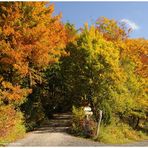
137 50
112 30
31 38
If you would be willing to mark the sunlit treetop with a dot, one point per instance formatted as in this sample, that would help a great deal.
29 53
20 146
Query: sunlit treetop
112 30
30 36
137 50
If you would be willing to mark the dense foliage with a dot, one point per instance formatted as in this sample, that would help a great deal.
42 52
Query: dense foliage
30 40
47 66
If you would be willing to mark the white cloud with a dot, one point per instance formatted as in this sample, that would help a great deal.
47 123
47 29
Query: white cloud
130 24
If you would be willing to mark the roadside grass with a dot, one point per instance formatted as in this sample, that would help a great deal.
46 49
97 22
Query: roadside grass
120 133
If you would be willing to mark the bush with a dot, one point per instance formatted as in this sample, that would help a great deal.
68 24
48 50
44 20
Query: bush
33 116
77 123
11 124
81 126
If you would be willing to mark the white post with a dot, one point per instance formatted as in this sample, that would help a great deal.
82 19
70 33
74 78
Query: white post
98 127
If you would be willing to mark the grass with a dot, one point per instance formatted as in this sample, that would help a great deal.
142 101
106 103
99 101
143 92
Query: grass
119 134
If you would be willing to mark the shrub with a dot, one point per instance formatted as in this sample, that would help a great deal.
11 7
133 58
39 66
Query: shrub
11 124
77 123
81 126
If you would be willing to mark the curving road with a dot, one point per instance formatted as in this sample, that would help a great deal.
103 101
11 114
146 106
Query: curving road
55 134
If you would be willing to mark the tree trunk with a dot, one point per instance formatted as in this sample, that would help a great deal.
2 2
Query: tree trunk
137 124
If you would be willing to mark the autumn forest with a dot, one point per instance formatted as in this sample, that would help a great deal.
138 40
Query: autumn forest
47 66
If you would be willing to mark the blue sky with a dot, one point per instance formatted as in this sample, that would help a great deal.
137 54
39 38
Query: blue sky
135 14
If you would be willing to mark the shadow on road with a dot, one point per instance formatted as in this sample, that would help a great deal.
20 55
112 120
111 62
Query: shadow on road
59 123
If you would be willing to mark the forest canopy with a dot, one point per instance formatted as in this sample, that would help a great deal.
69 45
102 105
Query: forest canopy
48 66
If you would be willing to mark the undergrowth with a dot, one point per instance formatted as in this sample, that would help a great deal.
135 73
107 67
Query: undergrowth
11 125
116 132
119 133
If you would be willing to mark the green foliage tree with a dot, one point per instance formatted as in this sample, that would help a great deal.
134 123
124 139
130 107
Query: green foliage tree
92 69
101 70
